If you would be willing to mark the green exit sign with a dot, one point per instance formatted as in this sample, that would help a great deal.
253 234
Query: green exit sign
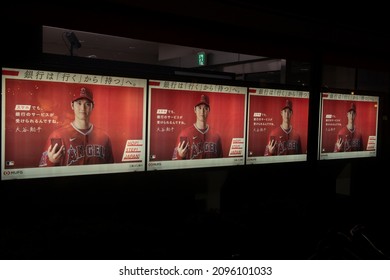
202 58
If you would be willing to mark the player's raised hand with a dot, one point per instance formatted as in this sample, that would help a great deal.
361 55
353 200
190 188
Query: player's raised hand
339 143
271 146
54 154
182 148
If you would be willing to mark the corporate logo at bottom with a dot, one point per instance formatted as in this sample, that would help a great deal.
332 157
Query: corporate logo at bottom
12 172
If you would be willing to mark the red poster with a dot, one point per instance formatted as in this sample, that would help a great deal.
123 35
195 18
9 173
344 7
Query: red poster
277 125
175 109
98 122
348 124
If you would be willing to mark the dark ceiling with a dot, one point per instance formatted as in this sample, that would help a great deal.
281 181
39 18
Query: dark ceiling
355 35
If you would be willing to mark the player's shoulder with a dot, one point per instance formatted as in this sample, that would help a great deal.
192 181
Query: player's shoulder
98 131
189 128
276 130
359 132
63 128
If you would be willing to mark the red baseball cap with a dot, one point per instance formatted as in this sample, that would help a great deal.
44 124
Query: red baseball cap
83 93
287 104
204 99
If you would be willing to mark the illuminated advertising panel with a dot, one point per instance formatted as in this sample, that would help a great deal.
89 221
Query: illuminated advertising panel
195 125
277 125
61 124
348 126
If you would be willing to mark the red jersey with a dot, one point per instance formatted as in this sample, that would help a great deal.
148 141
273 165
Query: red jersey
202 143
352 140
81 147
287 142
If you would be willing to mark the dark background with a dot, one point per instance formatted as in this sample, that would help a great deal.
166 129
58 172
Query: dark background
276 211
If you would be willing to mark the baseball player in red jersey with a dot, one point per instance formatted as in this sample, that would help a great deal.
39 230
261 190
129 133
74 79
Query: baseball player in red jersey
79 142
199 141
348 139
283 140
